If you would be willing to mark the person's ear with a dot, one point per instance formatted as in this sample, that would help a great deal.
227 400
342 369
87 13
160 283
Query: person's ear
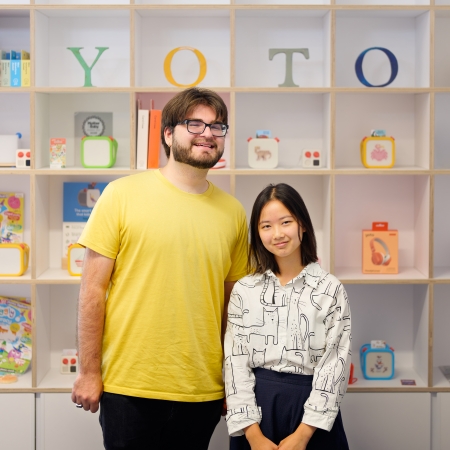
168 135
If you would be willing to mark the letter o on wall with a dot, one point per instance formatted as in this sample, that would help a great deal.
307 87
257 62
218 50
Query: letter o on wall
392 59
168 66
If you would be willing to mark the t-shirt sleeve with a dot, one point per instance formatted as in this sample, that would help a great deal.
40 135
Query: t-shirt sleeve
239 254
102 230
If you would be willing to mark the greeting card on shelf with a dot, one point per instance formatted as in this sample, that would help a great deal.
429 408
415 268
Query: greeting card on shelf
79 199
57 153
11 217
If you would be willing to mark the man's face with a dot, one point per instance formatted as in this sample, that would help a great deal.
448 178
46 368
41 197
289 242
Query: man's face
198 150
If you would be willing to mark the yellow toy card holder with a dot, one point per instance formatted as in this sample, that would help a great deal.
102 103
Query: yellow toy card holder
14 259
378 152
75 258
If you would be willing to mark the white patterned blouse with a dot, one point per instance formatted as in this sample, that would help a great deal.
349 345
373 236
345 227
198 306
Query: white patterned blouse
302 327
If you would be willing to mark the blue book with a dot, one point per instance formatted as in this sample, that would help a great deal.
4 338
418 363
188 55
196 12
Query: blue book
16 75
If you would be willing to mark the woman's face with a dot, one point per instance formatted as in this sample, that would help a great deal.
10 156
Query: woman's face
280 233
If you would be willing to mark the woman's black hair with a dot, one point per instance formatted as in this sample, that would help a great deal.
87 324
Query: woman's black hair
260 259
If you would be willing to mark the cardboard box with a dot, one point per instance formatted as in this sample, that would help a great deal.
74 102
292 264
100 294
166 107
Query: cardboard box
380 250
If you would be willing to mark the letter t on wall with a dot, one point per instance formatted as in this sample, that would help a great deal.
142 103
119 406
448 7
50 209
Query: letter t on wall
288 81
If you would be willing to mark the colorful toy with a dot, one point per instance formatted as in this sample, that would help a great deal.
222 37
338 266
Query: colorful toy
75 259
378 152
11 217
23 159
69 361
13 259
311 158
98 152
377 361
380 250
263 153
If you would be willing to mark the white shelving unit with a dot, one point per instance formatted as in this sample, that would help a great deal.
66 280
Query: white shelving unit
329 110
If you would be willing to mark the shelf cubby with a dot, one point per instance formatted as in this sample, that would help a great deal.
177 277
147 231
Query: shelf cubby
406 33
14 30
55 331
158 32
441 228
405 117
58 29
55 117
300 121
441 350
257 31
401 200
398 315
48 227
441 131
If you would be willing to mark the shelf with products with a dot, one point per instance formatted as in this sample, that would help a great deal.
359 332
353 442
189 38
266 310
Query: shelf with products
405 117
258 31
398 315
316 193
182 28
441 226
441 350
57 29
48 227
55 322
55 118
401 200
405 33
300 121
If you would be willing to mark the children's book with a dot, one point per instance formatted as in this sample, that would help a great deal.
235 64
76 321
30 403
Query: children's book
5 62
16 77
11 217
25 69
15 334
79 200
57 153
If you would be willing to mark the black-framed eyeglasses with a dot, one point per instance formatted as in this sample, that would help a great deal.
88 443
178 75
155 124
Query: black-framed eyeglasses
198 127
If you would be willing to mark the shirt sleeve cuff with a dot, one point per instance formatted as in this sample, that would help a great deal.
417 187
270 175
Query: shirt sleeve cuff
318 420
242 418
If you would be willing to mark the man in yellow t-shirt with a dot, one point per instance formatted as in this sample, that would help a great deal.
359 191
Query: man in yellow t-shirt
164 249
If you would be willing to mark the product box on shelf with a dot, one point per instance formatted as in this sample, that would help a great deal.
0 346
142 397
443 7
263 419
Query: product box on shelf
380 250
78 201
15 334
11 217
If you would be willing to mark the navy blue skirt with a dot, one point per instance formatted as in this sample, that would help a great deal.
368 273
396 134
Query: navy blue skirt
281 397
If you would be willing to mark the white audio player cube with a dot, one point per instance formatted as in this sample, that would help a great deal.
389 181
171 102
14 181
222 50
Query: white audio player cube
98 152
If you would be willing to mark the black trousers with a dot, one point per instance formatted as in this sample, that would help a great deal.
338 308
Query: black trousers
281 397
135 423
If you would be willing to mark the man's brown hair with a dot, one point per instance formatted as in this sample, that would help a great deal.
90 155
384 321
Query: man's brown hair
178 108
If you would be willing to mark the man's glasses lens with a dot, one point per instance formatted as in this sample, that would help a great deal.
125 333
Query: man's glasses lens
198 127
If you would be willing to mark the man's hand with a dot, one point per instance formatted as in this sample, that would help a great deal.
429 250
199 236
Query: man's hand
87 390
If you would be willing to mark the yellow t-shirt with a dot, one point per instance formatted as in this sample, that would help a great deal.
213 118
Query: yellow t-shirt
173 252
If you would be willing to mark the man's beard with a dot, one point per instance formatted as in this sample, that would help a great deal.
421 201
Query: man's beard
205 161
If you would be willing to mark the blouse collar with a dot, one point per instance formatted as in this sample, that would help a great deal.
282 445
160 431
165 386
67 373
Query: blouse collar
311 273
